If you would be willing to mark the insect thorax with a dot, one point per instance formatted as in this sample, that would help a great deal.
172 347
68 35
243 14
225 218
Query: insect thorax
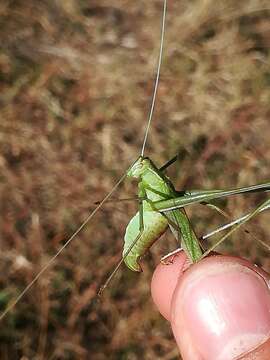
154 182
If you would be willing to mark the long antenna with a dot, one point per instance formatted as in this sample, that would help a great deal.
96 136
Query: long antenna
157 77
102 288
49 263
100 204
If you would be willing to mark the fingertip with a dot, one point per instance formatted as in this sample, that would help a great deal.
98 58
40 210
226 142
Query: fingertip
221 308
164 281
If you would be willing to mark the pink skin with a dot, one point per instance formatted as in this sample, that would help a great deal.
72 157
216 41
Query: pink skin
219 308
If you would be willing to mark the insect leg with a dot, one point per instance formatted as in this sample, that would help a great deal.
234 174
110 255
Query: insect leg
164 260
185 233
193 197
235 222
168 163
114 200
263 206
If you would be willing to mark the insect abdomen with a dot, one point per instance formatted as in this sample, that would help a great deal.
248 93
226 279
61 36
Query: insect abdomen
155 225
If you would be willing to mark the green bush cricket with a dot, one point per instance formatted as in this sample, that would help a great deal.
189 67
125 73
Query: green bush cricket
161 206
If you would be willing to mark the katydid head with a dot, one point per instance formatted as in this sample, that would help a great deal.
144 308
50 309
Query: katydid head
141 165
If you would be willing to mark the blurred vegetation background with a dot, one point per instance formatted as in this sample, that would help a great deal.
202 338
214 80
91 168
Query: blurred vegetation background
76 79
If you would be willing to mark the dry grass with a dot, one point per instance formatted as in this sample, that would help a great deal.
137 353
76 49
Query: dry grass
76 80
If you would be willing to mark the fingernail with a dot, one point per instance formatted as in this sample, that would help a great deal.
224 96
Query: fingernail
221 311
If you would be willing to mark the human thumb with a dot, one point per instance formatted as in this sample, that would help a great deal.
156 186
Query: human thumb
219 308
